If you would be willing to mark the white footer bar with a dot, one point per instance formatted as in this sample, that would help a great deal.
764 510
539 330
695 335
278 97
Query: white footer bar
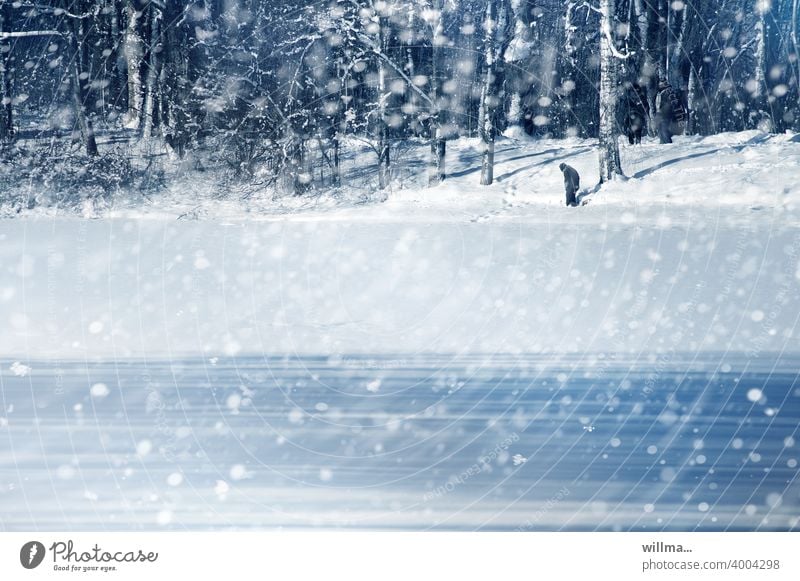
389 556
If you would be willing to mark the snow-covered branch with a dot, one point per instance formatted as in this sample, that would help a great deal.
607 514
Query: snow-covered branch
376 50
28 33
58 11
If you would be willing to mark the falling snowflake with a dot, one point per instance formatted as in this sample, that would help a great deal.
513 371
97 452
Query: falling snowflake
221 489
19 369
99 390
754 395
238 472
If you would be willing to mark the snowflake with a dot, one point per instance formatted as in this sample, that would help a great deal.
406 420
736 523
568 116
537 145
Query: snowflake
19 369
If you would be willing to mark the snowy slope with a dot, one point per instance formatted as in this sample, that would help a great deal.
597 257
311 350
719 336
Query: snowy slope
698 250
739 172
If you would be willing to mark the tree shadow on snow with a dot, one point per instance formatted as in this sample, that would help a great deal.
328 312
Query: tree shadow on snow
738 148
505 176
477 167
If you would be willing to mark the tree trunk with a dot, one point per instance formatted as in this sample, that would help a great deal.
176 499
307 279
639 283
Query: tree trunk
177 113
7 108
691 103
384 160
384 145
337 171
437 173
80 80
152 86
495 27
520 57
487 161
515 110
134 59
759 94
112 63
678 48
761 57
383 130
610 165
647 16
796 45
299 181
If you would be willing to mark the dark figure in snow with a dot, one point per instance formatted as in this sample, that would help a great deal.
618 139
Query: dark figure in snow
664 112
572 183
636 114
669 111
634 126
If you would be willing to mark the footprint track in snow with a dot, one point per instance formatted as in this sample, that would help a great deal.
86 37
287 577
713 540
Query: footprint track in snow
508 207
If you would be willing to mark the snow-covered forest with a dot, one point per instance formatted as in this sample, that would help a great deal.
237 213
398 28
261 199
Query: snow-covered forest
108 97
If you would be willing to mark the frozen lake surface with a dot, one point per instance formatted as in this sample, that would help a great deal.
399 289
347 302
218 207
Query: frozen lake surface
674 442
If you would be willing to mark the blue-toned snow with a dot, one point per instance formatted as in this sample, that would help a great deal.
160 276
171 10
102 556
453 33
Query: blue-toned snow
679 442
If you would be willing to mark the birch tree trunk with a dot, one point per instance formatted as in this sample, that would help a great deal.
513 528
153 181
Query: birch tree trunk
678 48
495 28
152 86
691 103
134 58
610 166
485 117
759 93
384 160
111 64
437 171
761 54
520 38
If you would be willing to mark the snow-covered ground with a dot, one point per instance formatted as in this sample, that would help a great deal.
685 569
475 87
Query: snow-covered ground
738 175
734 175
698 250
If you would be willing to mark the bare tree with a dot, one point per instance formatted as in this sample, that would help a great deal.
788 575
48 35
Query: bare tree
496 30
134 50
77 35
610 164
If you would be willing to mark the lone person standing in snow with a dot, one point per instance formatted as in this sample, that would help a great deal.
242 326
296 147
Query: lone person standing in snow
572 183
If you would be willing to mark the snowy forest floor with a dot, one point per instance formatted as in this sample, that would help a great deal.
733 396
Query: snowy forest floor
743 176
